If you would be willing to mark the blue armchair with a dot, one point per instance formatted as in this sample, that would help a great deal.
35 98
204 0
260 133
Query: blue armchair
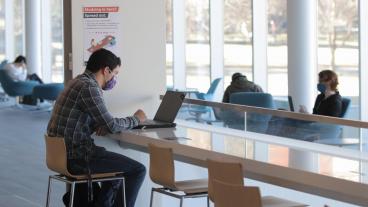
196 110
255 122
332 131
16 88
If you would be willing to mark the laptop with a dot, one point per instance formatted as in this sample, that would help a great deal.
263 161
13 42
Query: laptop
166 112
291 104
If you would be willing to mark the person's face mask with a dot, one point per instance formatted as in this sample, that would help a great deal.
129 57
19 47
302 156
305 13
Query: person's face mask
321 87
110 84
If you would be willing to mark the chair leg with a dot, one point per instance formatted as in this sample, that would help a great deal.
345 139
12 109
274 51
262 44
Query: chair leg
181 202
71 200
151 200
48 192
208 201
123 190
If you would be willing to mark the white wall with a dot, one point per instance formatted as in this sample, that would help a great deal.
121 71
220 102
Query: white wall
142 78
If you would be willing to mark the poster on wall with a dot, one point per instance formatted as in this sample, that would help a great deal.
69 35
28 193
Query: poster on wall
101 29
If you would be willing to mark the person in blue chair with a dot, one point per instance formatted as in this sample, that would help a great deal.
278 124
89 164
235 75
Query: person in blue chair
79 112
17 70
240 83
329 101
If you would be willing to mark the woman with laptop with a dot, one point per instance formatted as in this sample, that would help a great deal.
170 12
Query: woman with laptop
329 101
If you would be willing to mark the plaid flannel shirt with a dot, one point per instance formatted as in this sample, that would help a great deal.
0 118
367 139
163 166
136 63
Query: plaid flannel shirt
79 111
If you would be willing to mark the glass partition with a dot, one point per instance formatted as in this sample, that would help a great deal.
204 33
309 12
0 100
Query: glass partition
276 123
247 147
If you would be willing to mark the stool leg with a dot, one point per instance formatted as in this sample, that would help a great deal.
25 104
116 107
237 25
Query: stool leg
123 190
151 200
48 192
71 200
181 202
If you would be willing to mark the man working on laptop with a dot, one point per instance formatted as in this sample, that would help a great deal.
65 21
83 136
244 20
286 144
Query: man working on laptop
80 111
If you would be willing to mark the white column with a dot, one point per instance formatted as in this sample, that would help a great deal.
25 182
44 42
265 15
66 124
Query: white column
303 160
33 35
179 41
261 151
363 66
217 45
302 62
9 30
260 32
302 51
46 41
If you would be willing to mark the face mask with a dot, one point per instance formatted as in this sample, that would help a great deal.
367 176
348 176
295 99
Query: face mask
110 84
321 87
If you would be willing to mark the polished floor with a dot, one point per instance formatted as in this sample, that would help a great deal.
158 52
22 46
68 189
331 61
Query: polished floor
23 172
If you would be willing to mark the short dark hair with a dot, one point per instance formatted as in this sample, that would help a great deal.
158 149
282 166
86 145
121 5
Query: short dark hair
328 75
102 58
20 59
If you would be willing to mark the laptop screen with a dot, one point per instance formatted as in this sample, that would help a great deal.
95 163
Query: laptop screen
291 104
169 106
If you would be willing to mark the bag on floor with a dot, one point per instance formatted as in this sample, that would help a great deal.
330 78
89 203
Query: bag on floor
29 100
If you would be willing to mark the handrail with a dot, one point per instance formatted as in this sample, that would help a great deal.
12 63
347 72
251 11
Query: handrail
280 113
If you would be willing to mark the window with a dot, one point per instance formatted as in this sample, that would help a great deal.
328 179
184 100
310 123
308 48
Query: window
338 46
238 54
2 30
18 27
57 57
277 56
197 44
169 44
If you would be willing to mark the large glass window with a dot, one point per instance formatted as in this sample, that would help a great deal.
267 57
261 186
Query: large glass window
238 55
2 30
57 57
277 57
18 27
197 44
169 44
338 46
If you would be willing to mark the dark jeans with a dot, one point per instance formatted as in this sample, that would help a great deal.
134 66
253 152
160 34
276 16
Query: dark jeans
104 162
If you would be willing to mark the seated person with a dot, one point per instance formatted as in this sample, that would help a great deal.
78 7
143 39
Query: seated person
18 70
240 83
329 101
79 112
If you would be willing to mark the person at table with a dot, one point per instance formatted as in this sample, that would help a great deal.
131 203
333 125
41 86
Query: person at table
240 83
79 112
329 101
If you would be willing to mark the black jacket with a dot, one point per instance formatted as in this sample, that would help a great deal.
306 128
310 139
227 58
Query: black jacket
240 85
331 106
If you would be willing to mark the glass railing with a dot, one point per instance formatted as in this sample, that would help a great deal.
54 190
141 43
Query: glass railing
278 122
